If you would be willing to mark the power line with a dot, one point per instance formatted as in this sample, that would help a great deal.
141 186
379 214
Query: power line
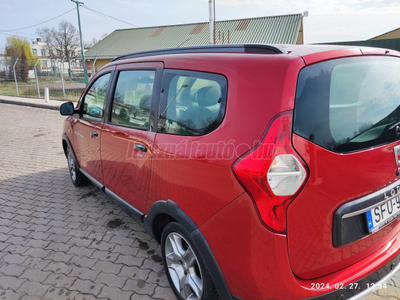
11 30
104 15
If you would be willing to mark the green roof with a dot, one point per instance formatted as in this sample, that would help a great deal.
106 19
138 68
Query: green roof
269 30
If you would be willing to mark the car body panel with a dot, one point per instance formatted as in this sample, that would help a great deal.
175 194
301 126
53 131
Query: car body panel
87 147
335 179
258 267
184 165
126 169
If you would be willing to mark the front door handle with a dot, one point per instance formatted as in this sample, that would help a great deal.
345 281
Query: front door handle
140 148
94 134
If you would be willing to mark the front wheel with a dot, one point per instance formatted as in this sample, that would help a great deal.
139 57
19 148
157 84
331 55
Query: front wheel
184 266
78 179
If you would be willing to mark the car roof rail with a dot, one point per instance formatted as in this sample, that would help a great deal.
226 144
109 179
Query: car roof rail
231 48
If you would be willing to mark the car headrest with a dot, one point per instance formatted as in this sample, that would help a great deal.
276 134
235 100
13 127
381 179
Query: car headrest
207 96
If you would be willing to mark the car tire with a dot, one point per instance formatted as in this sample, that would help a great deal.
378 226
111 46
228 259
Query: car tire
77 178
185 268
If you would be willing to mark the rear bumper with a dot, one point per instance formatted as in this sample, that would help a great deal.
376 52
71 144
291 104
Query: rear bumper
367 285
255 262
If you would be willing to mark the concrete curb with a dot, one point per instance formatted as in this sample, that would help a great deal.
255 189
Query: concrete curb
29 104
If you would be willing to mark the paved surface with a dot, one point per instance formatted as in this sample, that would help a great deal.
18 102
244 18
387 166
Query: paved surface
58 241
62 242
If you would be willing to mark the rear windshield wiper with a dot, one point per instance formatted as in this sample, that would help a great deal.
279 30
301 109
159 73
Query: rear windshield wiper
395 127
385 130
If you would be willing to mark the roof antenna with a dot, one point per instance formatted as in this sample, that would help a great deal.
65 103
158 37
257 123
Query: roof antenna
304 14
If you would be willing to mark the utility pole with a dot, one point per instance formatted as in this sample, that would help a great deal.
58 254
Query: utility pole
80 34
211 5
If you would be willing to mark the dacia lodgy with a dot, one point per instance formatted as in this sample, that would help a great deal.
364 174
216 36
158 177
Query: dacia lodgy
265 172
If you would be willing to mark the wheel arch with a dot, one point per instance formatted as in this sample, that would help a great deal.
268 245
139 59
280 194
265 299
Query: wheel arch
67 143
161 213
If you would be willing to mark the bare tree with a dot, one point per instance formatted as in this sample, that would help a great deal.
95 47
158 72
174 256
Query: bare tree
90 44
93 42
63 42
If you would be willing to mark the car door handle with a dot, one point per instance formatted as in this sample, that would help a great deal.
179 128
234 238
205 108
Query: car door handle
140 148
94 134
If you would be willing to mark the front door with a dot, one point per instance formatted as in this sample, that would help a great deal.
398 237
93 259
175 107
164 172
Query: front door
127 138
87 129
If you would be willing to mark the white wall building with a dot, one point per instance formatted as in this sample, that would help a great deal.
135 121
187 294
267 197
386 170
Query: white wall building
51 58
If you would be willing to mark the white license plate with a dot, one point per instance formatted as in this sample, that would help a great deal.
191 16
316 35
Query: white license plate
383 214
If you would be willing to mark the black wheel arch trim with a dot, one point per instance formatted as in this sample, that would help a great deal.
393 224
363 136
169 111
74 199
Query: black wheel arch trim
170 208
66 139
173 210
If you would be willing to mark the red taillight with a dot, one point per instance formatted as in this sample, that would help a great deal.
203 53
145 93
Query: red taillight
272 173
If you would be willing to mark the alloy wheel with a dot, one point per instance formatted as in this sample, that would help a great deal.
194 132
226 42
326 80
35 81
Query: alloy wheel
71 165
183 267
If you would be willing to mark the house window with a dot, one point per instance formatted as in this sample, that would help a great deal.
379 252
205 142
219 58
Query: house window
43 51
58 53
72 54
34 52
51 53
44 63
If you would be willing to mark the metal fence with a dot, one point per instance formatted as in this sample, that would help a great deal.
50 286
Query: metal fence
29 78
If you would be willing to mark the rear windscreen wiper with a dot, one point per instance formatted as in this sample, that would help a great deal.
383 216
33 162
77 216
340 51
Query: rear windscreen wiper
395 127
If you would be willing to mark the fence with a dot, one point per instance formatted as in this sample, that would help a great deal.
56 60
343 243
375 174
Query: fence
29 77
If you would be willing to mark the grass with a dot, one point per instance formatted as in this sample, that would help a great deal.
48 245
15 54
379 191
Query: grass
8 88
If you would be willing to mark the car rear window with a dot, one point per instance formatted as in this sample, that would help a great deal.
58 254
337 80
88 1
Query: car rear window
349 104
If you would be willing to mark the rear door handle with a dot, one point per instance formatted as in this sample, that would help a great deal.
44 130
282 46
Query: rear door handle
140 148
94 134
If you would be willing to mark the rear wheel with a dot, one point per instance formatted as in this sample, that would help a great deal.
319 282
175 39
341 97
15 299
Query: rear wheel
184 266
78 179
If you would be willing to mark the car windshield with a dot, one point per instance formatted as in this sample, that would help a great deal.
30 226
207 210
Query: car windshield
349 104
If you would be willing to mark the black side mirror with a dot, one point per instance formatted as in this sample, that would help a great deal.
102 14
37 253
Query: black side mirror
67 109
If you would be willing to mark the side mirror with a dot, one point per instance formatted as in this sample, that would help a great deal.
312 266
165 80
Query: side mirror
95 112
67 109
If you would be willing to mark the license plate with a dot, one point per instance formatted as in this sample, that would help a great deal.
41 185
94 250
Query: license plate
383 214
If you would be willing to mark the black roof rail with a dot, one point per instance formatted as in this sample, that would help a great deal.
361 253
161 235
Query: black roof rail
231 48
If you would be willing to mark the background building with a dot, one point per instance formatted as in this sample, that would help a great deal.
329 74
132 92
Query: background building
51 59
388 40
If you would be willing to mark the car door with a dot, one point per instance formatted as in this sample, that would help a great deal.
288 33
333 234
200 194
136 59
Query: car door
128 135
87 128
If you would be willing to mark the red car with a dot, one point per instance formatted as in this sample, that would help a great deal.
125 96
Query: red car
265 172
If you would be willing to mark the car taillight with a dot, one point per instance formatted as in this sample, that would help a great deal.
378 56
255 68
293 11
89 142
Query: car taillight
272 173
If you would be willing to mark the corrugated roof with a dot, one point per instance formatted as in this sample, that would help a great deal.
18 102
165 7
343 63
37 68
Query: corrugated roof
270 30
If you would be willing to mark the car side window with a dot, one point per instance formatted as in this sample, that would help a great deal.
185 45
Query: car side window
93 103
193 103
132 98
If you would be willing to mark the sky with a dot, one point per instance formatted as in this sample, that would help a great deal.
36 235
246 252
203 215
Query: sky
327 21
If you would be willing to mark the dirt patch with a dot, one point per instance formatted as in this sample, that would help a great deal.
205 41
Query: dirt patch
115 223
